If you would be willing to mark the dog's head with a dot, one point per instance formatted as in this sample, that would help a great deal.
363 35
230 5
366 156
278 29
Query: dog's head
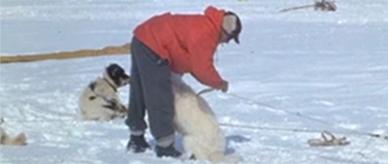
117 75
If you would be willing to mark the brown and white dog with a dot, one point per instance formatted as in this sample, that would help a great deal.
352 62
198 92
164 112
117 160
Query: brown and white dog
5 139
100 101
196 122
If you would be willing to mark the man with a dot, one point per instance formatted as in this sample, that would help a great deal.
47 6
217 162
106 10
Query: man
172 43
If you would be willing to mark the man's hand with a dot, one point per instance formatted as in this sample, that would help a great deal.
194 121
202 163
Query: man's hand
224 87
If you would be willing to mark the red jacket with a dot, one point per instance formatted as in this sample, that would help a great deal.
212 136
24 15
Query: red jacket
188 42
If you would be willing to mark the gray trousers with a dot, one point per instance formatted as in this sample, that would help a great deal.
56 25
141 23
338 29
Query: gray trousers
151 91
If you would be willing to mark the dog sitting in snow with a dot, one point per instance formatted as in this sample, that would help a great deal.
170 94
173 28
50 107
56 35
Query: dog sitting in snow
99 101
5 139
198 125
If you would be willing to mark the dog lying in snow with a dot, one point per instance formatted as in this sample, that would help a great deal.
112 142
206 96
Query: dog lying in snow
5 139
99 101
198 125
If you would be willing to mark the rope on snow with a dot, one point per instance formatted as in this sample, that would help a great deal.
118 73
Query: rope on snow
298 114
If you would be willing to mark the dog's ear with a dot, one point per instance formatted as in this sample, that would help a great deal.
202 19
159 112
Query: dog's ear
113 65
114 70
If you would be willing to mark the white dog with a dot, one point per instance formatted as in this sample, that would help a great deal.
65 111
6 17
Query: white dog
195 120
99 101
5 139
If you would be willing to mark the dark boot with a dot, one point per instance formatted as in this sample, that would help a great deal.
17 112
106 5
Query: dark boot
169 151
137 144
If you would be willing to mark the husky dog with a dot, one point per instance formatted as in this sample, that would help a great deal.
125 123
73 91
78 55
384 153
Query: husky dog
196 122
99 101
5 139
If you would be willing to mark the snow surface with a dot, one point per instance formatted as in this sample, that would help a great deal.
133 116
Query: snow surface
297 70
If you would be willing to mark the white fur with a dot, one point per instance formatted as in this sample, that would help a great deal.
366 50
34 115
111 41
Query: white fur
195 120
93 109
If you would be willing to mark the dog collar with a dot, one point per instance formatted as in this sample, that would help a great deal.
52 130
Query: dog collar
111 85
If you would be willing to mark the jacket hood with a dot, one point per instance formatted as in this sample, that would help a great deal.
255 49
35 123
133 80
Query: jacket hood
215 15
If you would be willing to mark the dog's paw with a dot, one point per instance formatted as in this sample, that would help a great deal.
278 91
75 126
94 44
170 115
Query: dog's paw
123 109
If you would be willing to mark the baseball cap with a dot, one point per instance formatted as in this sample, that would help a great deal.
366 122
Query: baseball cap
232 25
